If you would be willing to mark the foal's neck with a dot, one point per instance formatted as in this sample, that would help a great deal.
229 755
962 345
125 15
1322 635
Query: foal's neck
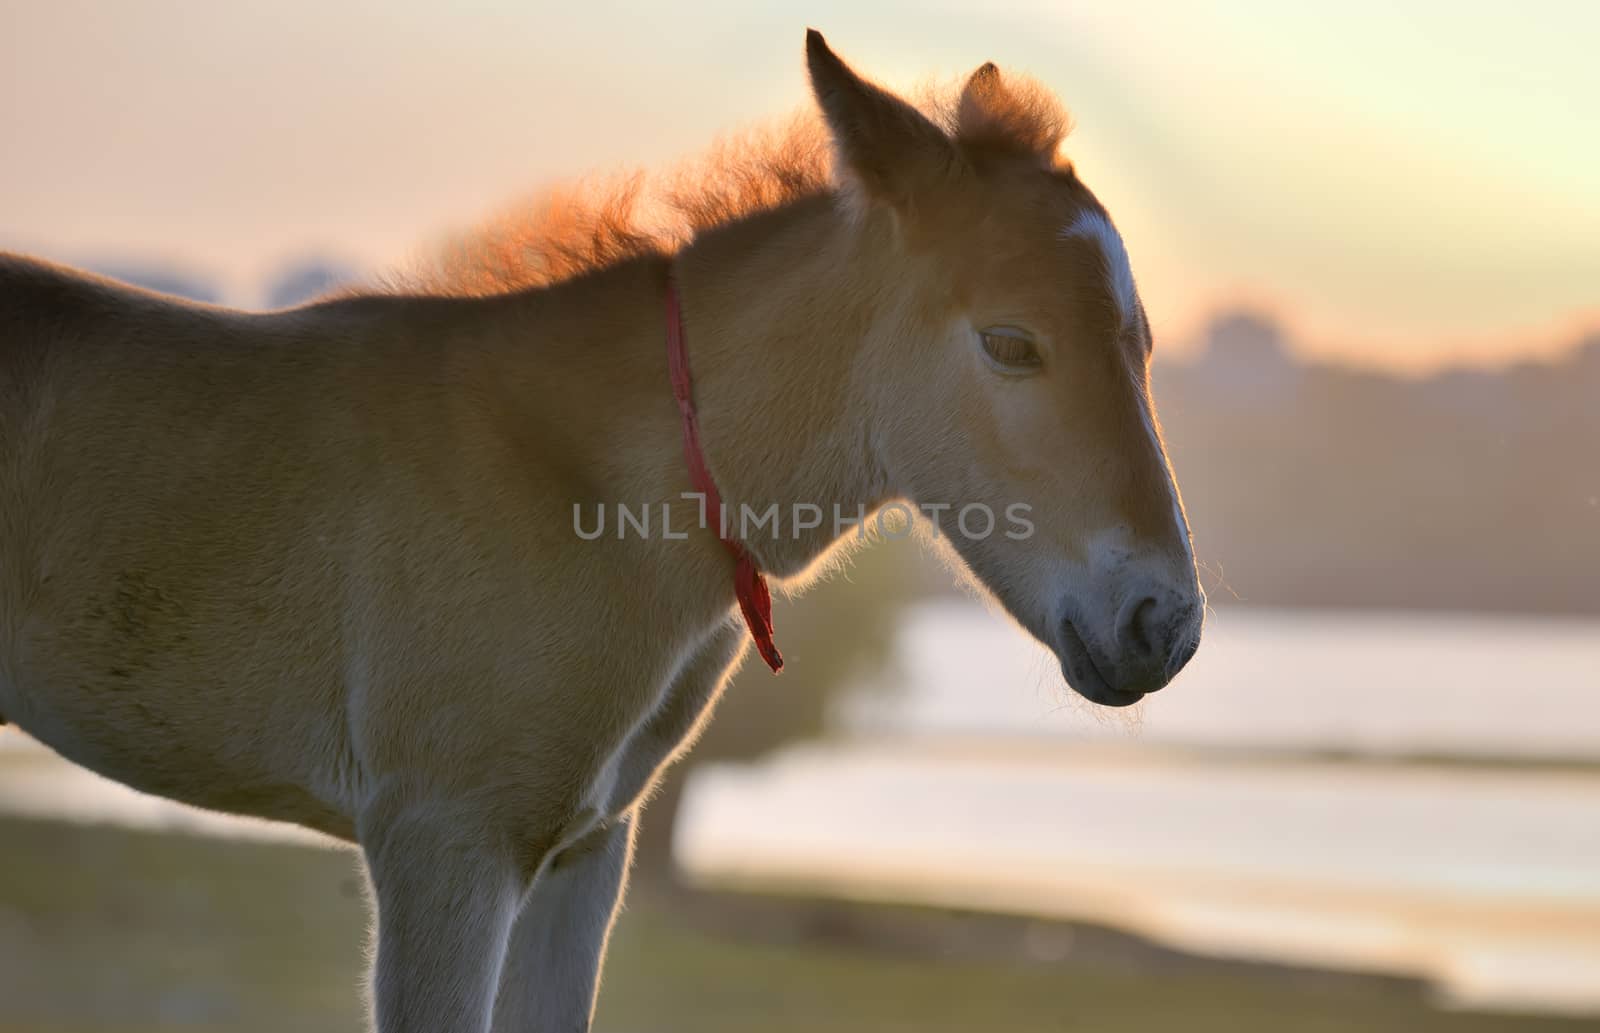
776 308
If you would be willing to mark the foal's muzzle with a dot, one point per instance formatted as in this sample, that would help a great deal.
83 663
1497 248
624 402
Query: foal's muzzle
1117 657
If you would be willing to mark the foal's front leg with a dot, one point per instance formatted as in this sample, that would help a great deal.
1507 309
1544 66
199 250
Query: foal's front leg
559 942
445 900
552 971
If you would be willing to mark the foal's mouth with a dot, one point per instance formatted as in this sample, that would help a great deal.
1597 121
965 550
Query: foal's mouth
1078 666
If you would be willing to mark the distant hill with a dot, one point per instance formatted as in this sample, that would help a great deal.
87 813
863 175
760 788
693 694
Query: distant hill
295 283
306 280
1320 484
155 276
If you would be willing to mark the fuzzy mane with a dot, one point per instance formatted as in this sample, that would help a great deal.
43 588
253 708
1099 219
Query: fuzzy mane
576 228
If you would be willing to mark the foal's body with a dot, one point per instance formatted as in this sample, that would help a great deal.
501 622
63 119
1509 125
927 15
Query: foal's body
329 528
321 566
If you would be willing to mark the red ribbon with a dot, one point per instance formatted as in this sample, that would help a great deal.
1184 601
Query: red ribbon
755 601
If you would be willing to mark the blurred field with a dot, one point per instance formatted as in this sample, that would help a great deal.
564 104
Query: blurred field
107 929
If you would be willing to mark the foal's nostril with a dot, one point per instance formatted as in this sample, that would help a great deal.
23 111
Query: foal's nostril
1133 630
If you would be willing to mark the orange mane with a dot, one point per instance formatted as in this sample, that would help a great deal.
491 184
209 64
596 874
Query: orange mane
575 228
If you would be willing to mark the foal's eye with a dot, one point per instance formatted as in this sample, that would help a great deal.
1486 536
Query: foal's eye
1011 349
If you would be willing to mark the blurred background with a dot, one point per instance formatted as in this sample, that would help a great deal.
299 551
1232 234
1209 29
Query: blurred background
1368 235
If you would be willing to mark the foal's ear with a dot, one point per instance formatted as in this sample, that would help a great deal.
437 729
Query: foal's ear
1021 118
889 146
984 94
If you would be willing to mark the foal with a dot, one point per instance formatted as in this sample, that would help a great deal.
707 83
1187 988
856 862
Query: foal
321 566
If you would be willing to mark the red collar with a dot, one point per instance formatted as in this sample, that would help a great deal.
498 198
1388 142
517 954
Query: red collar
755 602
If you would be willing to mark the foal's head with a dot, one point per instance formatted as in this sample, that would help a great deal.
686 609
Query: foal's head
1010 355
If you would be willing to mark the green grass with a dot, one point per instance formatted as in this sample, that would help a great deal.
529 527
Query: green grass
107 929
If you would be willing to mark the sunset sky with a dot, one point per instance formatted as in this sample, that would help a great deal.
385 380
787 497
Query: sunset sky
1403 183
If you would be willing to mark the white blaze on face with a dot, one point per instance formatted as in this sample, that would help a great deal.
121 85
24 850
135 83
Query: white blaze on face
1093 226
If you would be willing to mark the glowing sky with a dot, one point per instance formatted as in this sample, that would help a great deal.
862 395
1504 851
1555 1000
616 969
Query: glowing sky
1400 182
